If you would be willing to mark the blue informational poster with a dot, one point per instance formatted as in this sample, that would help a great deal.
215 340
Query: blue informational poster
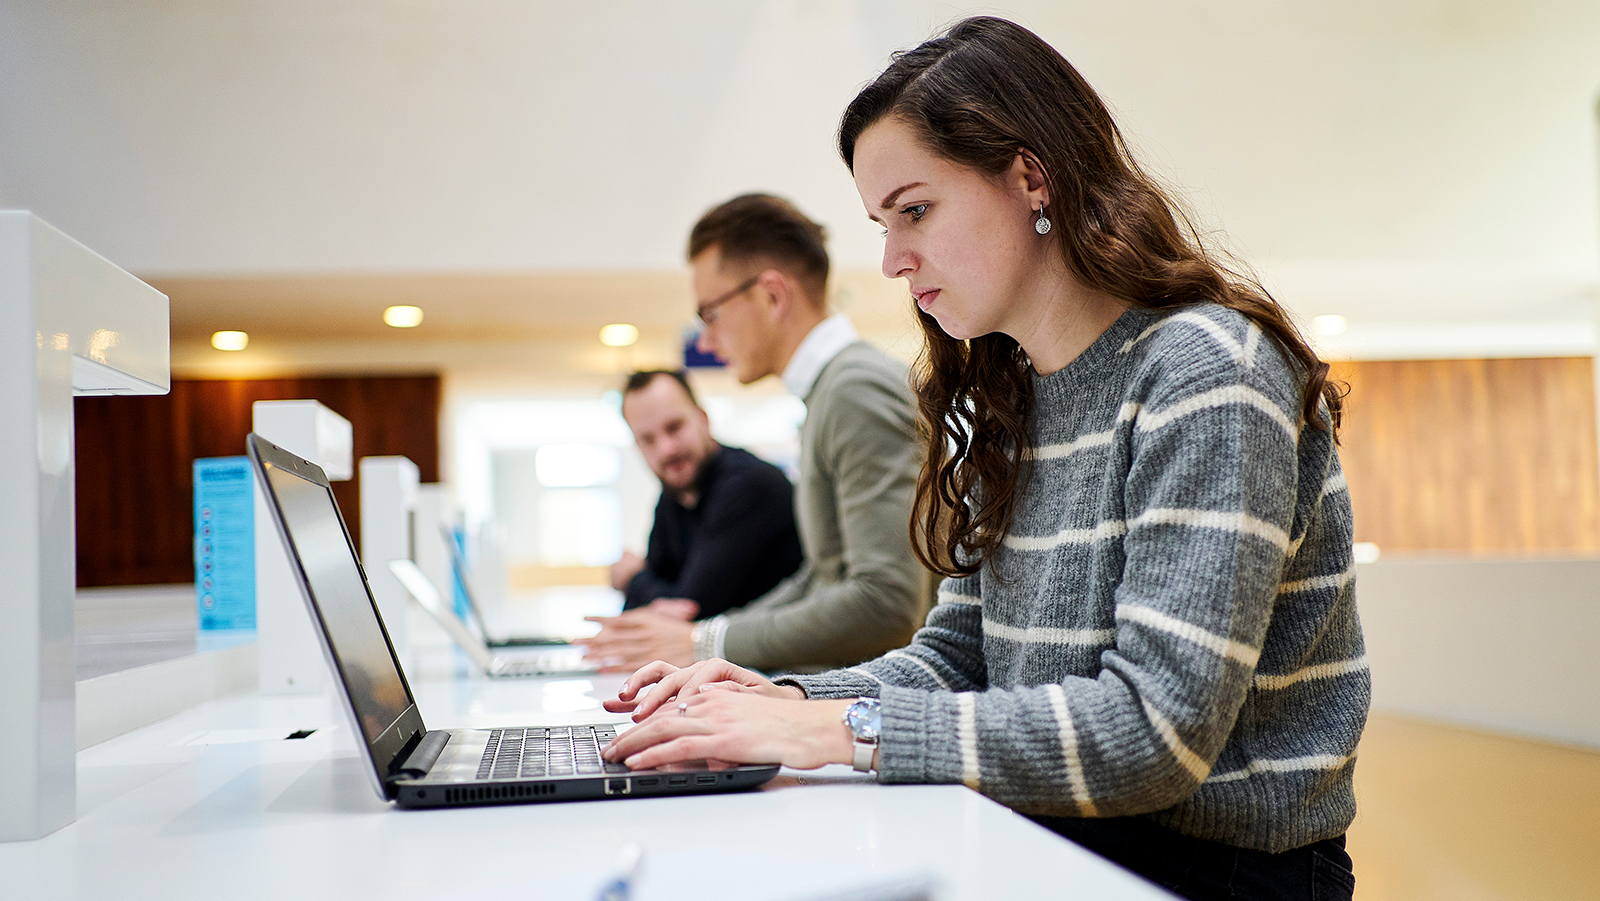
225 543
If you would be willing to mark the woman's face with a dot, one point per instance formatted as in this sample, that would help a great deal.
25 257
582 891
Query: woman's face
964 241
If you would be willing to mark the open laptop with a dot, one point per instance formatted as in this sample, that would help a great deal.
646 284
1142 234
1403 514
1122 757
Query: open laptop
409 763
520 661
458 565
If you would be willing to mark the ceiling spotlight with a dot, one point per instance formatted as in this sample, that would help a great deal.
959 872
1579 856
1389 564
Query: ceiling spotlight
403 316
619 334
1329 325
230 340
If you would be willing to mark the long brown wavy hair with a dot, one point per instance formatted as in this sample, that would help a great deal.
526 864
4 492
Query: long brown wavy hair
978 95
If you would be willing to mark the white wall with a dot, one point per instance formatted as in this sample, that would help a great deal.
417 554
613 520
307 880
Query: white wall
1502 644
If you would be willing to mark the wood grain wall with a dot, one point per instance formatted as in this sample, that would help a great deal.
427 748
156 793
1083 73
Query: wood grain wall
136 455
1473 455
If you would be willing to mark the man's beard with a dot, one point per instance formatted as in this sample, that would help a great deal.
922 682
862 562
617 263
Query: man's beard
693 488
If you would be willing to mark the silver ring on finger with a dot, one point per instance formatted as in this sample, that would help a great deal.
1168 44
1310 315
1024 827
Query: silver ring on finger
683 708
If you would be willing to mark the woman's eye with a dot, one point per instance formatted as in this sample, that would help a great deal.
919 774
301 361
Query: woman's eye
915 211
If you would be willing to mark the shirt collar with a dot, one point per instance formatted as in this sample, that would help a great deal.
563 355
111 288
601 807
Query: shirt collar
816 351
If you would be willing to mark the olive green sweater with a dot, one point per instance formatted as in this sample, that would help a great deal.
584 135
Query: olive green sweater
860 591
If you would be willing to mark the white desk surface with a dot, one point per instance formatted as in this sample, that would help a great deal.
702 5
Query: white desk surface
159 817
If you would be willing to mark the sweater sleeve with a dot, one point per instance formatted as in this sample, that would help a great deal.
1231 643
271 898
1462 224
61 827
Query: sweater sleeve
1207 504
866 443
946 655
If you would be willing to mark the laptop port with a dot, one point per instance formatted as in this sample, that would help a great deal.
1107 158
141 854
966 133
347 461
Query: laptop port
648 782
619 786
677 780
706 779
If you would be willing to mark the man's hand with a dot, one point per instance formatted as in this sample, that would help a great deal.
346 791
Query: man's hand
623 571
677 608
633 638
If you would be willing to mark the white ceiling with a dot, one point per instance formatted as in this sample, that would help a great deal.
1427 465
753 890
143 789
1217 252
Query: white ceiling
1394 160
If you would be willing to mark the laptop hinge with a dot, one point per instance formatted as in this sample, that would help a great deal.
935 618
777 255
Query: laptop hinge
422 759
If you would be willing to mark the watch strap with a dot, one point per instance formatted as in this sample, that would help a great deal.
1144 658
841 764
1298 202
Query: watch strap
863 757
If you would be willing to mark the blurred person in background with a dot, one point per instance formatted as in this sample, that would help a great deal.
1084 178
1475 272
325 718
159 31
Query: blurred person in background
724 531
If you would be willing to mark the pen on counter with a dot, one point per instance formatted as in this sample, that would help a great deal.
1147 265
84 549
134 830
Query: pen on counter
620 887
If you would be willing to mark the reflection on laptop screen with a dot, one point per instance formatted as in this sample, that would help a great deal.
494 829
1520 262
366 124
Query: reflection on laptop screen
365 660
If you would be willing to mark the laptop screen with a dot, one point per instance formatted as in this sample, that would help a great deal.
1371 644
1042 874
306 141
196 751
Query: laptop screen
367 665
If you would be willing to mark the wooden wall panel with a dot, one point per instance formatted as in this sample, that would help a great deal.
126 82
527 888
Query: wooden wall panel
135 458
1473 455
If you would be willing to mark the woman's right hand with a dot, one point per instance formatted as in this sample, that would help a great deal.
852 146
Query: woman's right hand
707 675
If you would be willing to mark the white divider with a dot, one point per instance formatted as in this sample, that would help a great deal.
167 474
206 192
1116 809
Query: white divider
71 323
436 510
290 659
1497 643
389 524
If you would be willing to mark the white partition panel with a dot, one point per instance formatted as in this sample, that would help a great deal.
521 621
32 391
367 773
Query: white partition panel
436 511
1499 643
389 532
70 323
290 658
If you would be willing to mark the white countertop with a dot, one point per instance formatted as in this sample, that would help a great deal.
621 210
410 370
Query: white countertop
160 815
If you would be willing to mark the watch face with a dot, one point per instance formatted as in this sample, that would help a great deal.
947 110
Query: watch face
864 718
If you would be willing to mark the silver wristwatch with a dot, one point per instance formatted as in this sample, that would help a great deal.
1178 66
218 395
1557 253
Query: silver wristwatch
864 719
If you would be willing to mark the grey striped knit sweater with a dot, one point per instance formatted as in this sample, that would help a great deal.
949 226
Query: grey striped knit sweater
1170 627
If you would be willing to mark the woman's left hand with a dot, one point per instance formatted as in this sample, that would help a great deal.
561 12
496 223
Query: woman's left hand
738 727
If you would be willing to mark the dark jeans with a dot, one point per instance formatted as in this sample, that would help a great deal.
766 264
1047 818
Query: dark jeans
1211 871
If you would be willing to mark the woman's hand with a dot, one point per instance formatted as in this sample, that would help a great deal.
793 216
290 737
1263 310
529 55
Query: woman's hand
708 675
742 725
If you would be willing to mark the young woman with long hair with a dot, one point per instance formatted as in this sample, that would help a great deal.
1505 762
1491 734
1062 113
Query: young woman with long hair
1147 638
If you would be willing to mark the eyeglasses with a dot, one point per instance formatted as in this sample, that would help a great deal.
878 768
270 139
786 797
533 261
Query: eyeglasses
707 312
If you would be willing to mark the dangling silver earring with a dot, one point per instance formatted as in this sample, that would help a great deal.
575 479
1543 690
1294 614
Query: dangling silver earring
1042 224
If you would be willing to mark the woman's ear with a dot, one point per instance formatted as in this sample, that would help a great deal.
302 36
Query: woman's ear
1030 175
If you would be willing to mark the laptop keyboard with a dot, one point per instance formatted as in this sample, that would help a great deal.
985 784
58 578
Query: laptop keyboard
547 751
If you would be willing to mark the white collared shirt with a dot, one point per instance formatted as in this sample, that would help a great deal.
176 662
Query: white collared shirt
816 351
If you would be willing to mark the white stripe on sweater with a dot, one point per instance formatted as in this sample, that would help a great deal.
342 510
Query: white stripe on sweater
1056 451
1217 644
1115 528
950 597
1317 583
1333 485
1252 341
1111 528
1221 520
1294 546
1128 412
1284 765
1069 750
1227 341
1319 671
860 671
967 738
1049 635
1186 758
902 655
1231 395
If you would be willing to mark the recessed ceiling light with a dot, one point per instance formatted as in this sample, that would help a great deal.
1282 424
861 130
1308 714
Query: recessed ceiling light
1329 325
403 316
230 340
619 334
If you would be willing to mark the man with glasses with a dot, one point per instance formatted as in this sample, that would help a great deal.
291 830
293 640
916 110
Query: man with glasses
761 274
